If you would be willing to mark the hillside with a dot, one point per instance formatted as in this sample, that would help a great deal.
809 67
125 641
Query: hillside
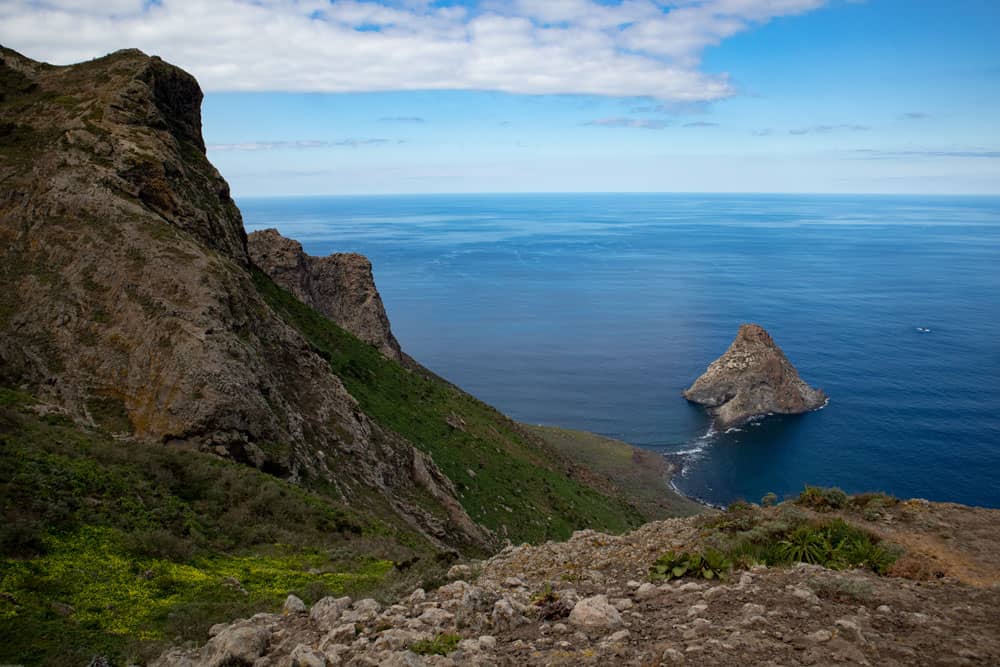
823 579
181 438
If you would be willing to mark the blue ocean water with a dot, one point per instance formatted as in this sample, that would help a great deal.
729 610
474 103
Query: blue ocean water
594 311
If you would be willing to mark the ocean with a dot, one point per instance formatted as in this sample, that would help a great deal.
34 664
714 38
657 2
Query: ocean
593 312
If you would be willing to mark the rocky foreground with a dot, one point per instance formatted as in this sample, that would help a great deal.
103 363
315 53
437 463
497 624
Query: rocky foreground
589 600
752 378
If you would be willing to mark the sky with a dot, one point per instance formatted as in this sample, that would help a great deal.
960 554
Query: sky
339 97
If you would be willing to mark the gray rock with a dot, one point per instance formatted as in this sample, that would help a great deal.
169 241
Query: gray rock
395 639
402 659
595 613
306 656
294 605
752 378
620 636
342 634
362 611
506 615
327 611
437 618
820 636
647 591
340 286
239 644
697 609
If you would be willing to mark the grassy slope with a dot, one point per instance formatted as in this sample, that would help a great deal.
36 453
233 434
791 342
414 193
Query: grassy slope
507 479
639 475
110 547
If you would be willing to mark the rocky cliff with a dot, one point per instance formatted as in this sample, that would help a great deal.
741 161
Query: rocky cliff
752 378
340 286
132 306
128 298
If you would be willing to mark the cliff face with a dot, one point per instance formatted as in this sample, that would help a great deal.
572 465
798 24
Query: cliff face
753 377
340 286
129 301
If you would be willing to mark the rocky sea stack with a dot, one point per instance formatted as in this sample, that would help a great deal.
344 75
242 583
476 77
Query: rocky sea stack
753 377
339 286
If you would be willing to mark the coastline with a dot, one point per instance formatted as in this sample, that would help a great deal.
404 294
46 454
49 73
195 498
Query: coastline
643 476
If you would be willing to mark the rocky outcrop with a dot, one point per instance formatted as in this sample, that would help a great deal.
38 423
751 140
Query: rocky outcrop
589 601
129 301
753 377
340 286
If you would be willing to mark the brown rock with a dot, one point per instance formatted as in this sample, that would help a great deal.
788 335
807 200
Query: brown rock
129 301
340 286
752 378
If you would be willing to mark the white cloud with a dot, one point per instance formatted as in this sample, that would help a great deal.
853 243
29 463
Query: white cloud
637 123
648 48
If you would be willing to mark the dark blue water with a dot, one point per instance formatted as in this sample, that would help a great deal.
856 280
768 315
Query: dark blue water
595 311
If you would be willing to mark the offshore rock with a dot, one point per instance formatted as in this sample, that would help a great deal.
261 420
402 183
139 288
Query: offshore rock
753 377
340 286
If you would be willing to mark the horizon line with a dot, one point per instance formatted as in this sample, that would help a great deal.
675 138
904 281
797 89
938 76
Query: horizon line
512 193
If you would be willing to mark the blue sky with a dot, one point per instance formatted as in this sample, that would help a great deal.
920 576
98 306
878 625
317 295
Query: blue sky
356 97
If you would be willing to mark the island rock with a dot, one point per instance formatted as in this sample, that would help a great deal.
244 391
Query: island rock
753 377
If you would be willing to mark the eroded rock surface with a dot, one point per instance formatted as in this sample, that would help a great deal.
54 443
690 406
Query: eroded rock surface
752 378
128 298
340 286
580 602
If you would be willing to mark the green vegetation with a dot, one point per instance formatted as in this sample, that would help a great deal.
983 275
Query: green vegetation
873 506
113 547
638 475
784 535
709 564
442 644
822 499
507 480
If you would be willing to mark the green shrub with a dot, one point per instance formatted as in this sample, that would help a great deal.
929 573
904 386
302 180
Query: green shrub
834 544
442 644
739 516
769 499
145 544
822 499
873 506
804 545
710 564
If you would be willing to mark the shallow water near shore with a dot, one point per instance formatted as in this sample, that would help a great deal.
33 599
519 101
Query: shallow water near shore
593 312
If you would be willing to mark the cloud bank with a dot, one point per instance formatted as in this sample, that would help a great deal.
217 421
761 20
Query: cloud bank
636 48
297 145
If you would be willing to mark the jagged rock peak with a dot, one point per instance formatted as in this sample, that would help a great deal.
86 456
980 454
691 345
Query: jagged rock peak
340 286
122 131
752 378
129 303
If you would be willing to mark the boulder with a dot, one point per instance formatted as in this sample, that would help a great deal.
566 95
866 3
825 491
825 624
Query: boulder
294 605
595 613
327 611
235 646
